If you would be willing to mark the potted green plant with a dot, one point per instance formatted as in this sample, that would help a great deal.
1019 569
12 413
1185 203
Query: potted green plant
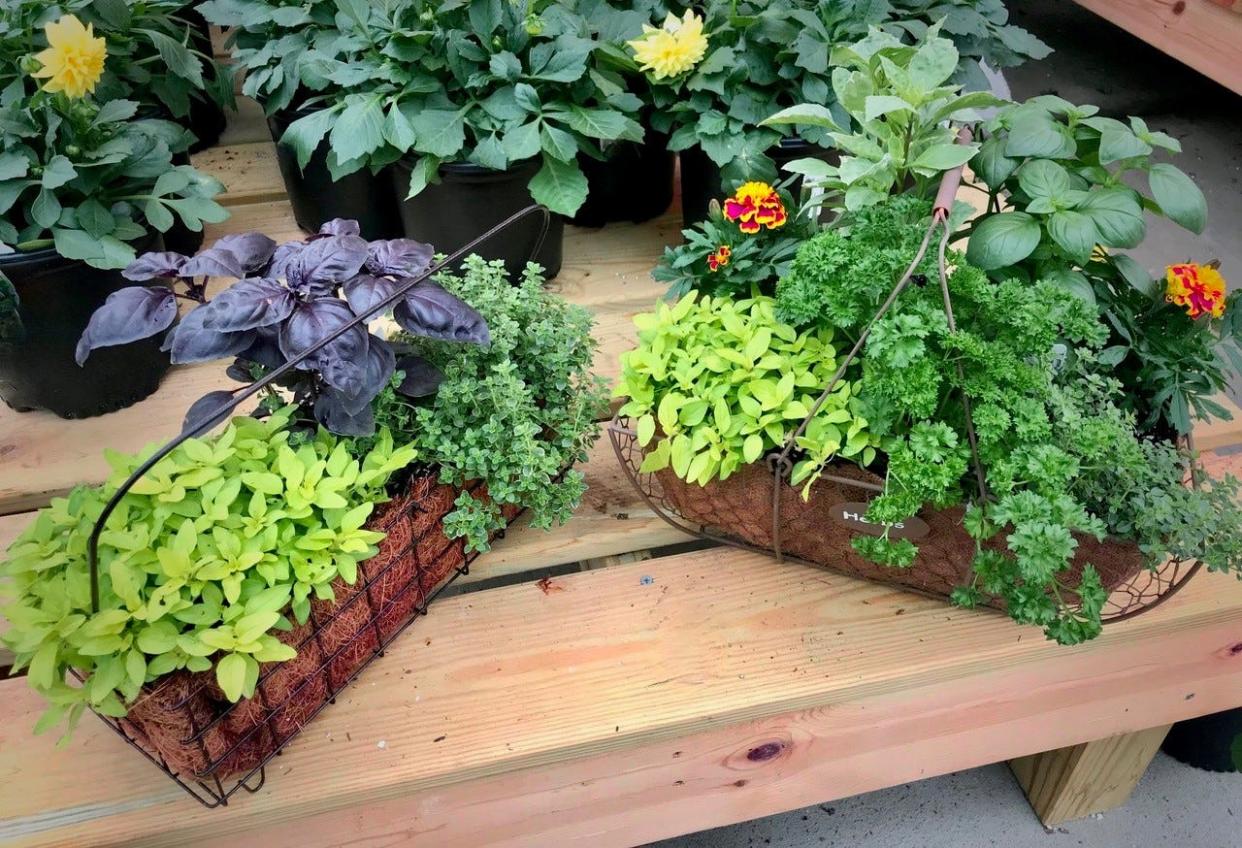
281 555
288 57
159 54
973 442
83 185
717 70
487 107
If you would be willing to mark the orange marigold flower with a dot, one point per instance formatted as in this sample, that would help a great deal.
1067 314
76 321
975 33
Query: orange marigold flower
719 258
755 205
1199 289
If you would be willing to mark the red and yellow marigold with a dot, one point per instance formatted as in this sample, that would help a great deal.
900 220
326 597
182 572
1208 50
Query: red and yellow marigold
754 206
719 258
1199 289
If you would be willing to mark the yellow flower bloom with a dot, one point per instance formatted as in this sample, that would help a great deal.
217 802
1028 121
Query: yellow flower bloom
755 205
74 59
1199 289
672 49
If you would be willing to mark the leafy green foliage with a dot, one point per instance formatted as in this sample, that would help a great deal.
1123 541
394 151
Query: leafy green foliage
1059 180
841 276
1061 457
767 56
155 56
897 133
1170 364
515 413
219 547
489 82
756 260
716 384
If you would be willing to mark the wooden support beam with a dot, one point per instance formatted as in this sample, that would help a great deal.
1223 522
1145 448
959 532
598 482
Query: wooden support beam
1070 783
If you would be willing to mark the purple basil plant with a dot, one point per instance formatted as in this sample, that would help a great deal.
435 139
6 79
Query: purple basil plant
286 299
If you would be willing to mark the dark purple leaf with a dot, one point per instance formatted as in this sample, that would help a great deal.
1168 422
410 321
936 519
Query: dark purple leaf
285 256
325 263
331 411
191 342
129 314
343 361
399 257
379 365
234 255
419 377
340 227
245 305
151 266
430 311
203 409
365 292
264 350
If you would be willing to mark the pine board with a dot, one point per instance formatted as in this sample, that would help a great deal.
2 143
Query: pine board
607 666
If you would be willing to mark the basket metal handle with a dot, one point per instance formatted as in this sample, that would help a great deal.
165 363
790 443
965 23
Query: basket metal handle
780 463
210 419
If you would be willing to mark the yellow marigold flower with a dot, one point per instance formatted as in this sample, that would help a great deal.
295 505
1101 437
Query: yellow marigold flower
755 205
1199 289
74 59
673 49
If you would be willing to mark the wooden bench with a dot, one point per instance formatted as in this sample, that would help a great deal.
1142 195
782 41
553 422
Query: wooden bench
639 699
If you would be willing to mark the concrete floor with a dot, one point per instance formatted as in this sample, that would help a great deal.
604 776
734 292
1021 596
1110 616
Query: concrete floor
1174 805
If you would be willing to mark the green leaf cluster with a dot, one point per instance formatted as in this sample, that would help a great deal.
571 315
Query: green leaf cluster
756 261
1060 454
489 82
221 546
1059 178
155 55
1171 365
899 107
767 56
515 414
716 384
89 181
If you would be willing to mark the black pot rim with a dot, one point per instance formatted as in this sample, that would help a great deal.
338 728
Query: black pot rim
471 172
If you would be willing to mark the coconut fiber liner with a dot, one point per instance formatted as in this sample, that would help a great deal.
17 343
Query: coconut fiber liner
741 508
186 722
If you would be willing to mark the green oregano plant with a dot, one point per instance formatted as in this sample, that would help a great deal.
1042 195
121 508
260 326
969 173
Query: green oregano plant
716 384
515 413
209 557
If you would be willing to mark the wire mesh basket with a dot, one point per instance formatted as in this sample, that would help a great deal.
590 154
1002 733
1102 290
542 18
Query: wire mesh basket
758 509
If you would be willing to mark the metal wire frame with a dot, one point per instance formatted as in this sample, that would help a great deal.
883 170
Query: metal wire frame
1146 590
209 786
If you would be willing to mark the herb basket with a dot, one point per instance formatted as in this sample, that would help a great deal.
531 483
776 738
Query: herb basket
211 747
757 507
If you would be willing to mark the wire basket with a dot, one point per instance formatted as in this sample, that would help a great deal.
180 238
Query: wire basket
758 509
184 723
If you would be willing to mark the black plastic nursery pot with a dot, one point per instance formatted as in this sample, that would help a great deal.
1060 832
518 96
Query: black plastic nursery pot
701 180
467 200
1208 742
634 184
316 198
206 119
55 299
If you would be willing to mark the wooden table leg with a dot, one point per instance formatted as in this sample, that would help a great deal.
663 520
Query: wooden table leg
1073 782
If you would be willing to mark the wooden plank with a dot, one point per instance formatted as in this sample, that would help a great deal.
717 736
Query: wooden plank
1203 35
521 717
1073 782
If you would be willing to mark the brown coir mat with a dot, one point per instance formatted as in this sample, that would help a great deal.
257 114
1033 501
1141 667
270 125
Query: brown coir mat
186 721
741 508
